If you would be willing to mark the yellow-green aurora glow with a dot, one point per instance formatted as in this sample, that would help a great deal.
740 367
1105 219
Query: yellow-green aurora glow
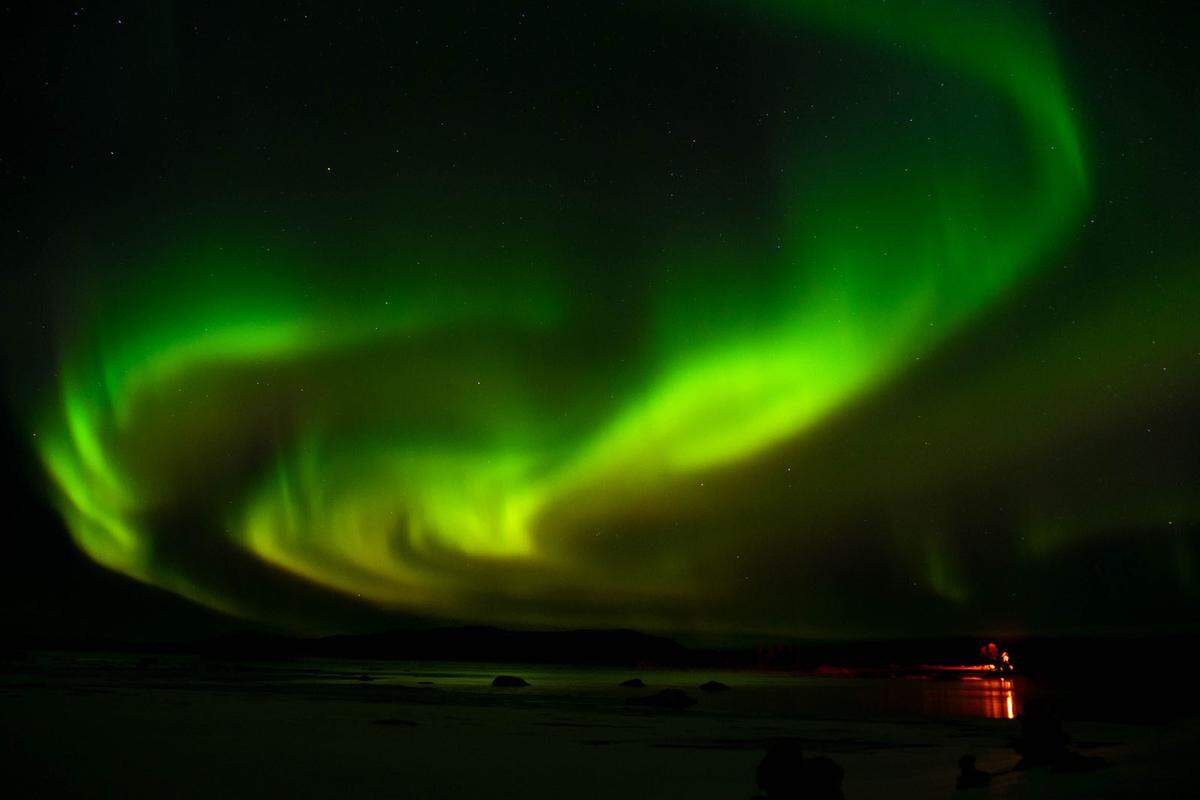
429 421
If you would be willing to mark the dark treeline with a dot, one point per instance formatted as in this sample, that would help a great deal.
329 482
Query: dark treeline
1052 657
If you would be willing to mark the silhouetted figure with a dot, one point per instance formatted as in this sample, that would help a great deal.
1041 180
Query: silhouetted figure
633 683
969 777
509 681
785 773
674 699
714 686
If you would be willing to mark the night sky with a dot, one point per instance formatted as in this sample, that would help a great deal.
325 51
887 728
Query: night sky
772 317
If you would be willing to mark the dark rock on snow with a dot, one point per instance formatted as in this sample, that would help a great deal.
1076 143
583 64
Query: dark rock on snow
509 681
1043 743
667 698
784 772
969 777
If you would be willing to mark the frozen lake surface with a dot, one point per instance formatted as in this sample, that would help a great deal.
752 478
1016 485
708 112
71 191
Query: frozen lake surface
124 725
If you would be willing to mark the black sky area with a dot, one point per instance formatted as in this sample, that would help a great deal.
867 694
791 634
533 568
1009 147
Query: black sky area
119 113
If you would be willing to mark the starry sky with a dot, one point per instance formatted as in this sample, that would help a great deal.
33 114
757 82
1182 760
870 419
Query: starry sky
725 317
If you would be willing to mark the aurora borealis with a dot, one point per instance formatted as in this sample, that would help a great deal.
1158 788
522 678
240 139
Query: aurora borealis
782 317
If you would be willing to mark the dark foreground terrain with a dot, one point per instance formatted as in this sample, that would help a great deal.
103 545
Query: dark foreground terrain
130 725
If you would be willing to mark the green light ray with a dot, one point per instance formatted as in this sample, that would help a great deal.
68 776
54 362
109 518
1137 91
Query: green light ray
872 271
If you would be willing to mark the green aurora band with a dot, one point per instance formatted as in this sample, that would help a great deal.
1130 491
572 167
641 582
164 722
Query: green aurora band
426 440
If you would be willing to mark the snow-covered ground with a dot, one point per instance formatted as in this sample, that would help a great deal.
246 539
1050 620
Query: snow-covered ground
122 727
